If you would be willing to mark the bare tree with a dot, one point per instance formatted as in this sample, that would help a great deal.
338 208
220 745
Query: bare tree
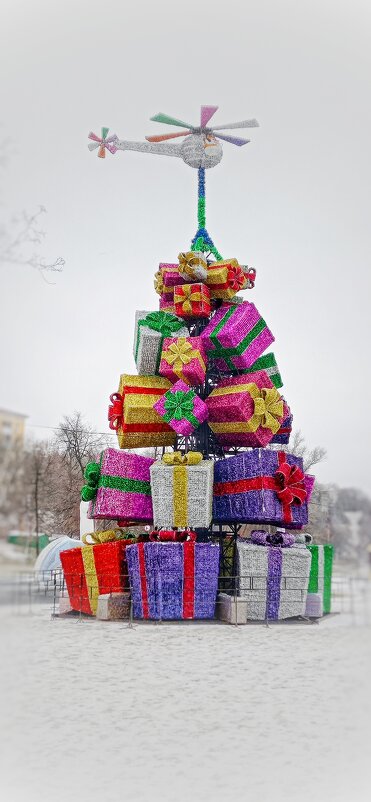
298 446
37 475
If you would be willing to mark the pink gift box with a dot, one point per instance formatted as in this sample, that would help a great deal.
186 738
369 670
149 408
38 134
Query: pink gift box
181 408
234 410
183 358
236 336
122 486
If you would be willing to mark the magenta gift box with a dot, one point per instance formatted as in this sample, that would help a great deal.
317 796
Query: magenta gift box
122 487
181 408
236 336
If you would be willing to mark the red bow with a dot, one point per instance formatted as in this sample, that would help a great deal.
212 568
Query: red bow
169 535
250 274
236 278
290 484
115 411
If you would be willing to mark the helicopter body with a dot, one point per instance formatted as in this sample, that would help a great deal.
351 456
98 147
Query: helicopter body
197 150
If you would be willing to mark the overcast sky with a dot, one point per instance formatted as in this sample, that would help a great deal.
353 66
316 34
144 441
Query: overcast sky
294 203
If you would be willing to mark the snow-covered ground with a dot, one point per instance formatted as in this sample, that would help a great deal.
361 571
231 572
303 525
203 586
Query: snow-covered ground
183 712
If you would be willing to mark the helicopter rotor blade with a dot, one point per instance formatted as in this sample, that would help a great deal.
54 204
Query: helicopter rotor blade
163 137
233 139
207 113
243 124
164 118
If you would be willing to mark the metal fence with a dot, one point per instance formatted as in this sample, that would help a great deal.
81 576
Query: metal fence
23 593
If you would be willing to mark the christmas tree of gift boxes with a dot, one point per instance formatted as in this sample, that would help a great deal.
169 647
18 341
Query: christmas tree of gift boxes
206 394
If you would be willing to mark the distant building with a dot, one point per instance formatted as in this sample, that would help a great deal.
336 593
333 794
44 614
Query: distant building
12 426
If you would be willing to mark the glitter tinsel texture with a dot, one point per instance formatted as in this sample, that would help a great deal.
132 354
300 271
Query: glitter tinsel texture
173 580
272 579
93 570
236 336
182 494
122 488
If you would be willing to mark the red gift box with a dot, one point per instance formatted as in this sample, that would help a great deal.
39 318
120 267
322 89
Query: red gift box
192 300
90 571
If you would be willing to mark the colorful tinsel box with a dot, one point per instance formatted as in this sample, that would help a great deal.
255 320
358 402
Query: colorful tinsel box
182 489
225 279
183 358
246 410
151 328
93 570
272 576
119 486
268 363
173 580
132 416
181 408
284 432
192 300
262 486
236 336
166 278
166 305
320 577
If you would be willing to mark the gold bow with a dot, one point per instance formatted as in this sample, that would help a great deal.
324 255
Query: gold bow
103 537
159 282
188 262
188 295
179 353
268 408
177 458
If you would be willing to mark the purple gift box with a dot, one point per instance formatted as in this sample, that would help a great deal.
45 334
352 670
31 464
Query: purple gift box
262 485
173 580
283 435
236 336
120 486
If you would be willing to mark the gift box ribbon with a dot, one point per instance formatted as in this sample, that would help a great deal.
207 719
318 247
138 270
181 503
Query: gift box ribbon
282 539
188 262
170 535
219 351
115 411
163 322
187 297
287 483
94 479
268 408
106 536
181 353
180 406
188 579
180 482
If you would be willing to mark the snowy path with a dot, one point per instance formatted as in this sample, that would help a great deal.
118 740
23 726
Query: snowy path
95 711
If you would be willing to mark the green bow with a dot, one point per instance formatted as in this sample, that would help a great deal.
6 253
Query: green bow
179 405
91 475
163 322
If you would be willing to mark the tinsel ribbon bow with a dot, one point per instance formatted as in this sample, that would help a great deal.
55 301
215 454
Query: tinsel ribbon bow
179 405
268 408
188 262
290 487
108 536
158 282
91 475
283 539
103 143
179 354
250 274
163 322
115 411
188 296
236 278
177 458
171 536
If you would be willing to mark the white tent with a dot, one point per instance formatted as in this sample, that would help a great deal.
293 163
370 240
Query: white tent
49 559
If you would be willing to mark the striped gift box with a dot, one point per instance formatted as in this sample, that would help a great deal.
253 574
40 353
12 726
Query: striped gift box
132 416
94 570
173 580
118 486
225 279
151 328
320 577
236 336
182 490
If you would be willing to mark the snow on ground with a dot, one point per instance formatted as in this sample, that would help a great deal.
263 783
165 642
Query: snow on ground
96 711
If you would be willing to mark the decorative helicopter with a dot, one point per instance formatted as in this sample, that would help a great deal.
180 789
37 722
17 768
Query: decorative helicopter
201 149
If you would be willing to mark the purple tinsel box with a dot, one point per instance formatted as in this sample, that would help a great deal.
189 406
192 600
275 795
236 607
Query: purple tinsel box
173 580
262 485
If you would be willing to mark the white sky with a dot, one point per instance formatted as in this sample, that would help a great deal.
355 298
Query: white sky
295 203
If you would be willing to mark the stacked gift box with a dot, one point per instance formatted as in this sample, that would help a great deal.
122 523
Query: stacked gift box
206 399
